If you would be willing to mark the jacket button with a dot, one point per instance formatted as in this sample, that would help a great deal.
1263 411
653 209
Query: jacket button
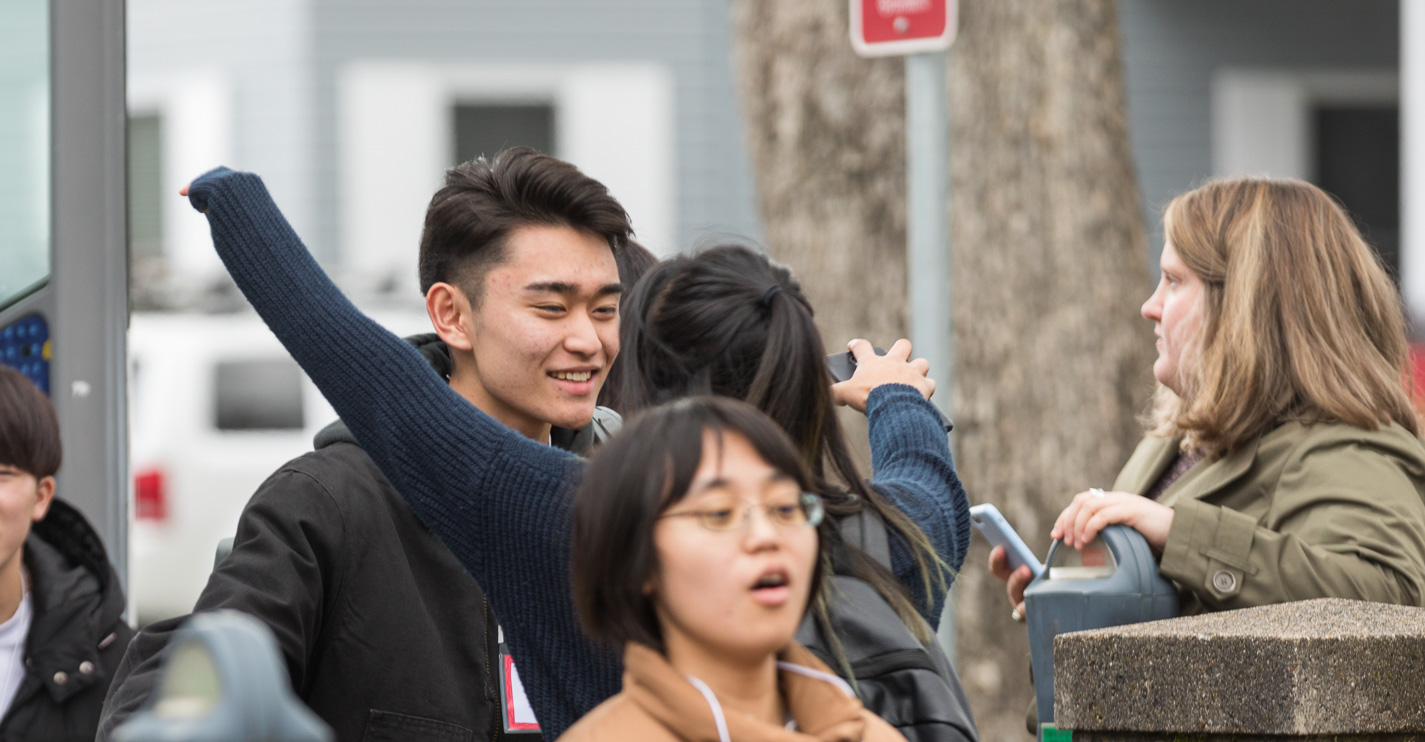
1224 581
86 668
61 677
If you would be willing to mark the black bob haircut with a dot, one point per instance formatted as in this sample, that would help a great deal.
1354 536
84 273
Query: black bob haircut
469 220
29 430
633 479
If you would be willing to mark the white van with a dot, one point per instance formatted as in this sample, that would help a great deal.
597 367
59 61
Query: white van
215 406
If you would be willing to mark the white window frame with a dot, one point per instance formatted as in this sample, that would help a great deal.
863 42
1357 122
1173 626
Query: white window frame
195 119
1262 119
1412 159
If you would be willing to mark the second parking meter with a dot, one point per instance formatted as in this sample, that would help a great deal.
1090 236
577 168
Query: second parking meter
223 678
1113 581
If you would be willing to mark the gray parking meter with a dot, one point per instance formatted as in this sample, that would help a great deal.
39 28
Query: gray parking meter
1113 581
223 679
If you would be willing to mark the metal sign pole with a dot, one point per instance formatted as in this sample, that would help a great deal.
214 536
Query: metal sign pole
928 235
87 298
922 31
928 220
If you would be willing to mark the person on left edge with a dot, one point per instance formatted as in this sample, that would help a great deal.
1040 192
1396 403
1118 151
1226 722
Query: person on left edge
61 625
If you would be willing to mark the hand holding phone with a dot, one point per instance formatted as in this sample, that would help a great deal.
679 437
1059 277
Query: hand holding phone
843 366
987 520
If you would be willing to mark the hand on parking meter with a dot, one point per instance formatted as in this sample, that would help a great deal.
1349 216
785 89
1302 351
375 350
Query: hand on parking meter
895 367
1095 509
1016 580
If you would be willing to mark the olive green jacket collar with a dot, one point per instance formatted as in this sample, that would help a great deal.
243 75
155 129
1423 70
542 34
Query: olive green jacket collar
1153 457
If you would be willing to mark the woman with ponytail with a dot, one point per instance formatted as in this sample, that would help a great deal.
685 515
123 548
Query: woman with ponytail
730 322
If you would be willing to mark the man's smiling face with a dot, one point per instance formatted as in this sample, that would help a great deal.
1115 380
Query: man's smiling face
544 329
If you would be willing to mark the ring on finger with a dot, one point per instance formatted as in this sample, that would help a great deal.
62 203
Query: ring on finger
1016 616
1095 492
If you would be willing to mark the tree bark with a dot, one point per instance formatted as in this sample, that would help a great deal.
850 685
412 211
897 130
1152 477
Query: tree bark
1049 263
1050 266
826 130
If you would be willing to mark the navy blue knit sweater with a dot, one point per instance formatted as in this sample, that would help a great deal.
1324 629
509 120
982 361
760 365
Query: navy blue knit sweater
499 501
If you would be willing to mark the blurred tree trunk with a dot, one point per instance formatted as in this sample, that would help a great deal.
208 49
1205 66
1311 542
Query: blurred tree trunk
826 131
1049 261
1050 268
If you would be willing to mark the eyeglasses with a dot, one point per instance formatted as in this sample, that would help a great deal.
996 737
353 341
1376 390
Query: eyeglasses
806 511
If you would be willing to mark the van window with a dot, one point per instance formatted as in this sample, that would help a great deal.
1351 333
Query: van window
258 395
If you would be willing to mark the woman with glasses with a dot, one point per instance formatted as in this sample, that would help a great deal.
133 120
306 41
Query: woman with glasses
701 569
501 502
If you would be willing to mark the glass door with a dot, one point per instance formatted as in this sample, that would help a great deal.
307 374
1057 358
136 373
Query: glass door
63 263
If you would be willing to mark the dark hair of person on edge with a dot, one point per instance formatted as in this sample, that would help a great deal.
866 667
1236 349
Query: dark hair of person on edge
729 321
700 564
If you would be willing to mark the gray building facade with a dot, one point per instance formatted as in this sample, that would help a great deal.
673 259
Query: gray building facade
267 86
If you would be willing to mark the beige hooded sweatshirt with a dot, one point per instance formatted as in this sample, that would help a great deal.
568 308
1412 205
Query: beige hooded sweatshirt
660 704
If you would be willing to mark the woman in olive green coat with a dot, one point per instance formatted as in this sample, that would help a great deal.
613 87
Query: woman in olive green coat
1283 460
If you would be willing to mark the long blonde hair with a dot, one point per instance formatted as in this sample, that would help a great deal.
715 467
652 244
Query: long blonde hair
1299 319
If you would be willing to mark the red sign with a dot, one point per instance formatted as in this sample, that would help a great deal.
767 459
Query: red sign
882 28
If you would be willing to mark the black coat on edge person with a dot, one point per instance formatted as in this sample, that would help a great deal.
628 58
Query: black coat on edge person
77 632
384 633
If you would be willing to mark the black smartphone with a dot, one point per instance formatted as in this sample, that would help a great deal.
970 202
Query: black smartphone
843 365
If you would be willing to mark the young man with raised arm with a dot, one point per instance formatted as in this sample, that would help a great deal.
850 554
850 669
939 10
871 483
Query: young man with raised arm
385 635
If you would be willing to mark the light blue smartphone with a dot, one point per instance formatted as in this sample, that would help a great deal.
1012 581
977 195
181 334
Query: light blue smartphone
987 520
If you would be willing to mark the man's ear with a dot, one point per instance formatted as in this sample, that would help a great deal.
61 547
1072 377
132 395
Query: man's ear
45 490
450 314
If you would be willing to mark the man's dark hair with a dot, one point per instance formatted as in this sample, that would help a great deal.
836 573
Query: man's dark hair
634 478
29 430
469 220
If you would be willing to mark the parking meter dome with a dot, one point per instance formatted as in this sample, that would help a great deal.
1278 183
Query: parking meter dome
223 679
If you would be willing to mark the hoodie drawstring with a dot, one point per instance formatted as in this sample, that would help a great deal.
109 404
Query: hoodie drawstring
721 721
711 698
819 675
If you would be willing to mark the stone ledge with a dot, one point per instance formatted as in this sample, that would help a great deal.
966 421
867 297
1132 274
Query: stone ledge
1313 669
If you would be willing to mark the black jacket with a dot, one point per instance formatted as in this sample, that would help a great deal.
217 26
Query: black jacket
384 634
77 633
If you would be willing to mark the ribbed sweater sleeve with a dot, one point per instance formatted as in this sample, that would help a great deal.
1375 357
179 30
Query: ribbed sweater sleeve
500 502
911 466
